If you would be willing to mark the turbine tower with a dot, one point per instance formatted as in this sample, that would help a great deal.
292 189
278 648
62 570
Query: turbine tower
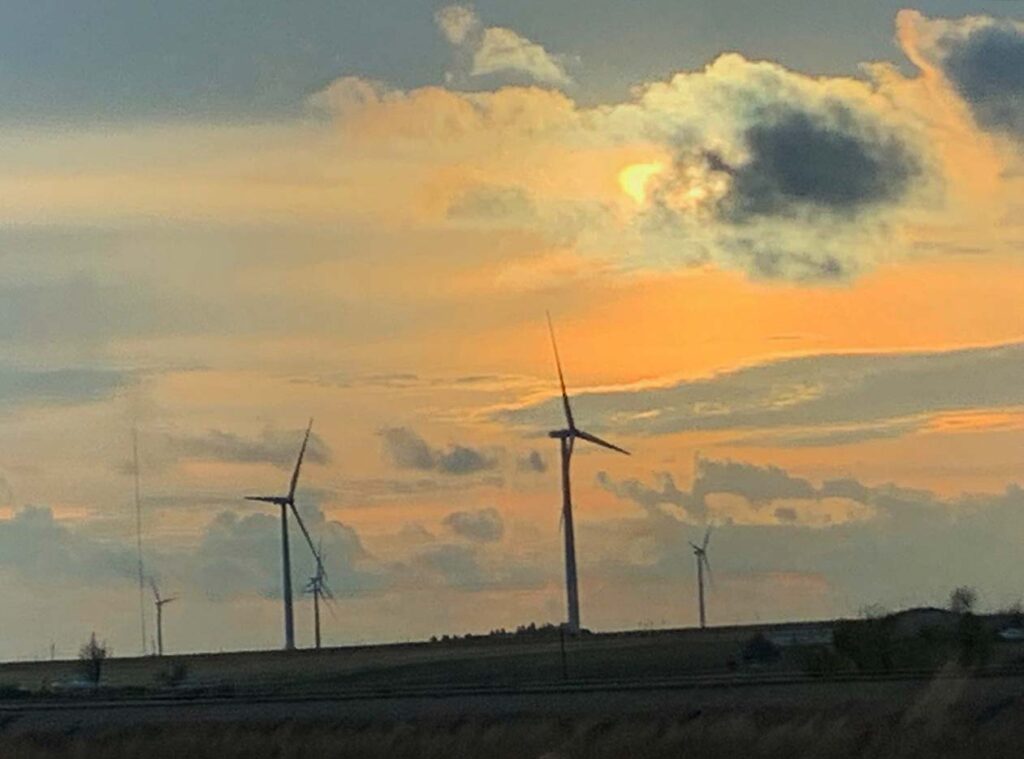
317 587
701 552
287 502
160 603
567 439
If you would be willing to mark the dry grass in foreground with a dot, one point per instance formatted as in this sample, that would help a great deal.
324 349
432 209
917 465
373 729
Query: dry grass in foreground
925 730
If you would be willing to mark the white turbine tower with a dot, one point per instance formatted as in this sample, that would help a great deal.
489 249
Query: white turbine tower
701 553
567 438
287 502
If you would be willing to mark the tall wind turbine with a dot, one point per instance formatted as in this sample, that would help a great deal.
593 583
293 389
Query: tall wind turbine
160 603
287 502
701 552
317 587
567 439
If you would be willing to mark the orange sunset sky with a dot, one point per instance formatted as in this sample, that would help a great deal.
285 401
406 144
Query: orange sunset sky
785 267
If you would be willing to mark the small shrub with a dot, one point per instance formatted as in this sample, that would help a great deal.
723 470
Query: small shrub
92 655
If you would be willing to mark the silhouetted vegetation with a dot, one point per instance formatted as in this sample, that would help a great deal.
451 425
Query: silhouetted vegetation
531 631
92 655
918 638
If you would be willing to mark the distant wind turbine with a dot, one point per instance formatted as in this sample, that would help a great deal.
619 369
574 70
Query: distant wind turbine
701 552
160 603
317 587
287 502
567 438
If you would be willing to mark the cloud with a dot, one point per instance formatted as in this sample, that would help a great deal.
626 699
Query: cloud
456 565
457 22
532 462
651 498
271 446
240 555
483 51
783 175
484 526
982 58
20 386
809 400
408 450
44 551
825 161
902 547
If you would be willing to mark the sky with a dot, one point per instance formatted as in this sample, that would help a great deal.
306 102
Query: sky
782 248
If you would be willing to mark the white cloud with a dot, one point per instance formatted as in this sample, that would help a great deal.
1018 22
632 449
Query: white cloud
484 51
457 22
503 50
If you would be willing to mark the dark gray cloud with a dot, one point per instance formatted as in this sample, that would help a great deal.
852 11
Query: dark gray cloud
271 446
408 450
818 399
19 386
986 67
832 161
665 492
484 526
758 485
532 462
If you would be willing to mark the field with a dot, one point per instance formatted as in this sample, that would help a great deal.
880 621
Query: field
672 693
466 661
947 718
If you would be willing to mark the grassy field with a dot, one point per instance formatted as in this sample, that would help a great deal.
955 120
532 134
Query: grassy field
937 724
477 661
957 717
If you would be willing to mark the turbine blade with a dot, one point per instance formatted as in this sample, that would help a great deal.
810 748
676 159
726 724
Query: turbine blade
325 591
561 377
598 441
309 539
274 499
707 537
298 464
707 566
695 547
169 600
156 593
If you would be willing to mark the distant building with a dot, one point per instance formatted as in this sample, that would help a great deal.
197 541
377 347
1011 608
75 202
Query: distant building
801 635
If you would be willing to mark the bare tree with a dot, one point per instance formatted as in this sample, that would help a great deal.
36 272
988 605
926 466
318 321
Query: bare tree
963 599
92 655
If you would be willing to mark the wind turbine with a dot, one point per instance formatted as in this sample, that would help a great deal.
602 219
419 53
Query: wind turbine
287 502
701 552
567 439
317 586
160 603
